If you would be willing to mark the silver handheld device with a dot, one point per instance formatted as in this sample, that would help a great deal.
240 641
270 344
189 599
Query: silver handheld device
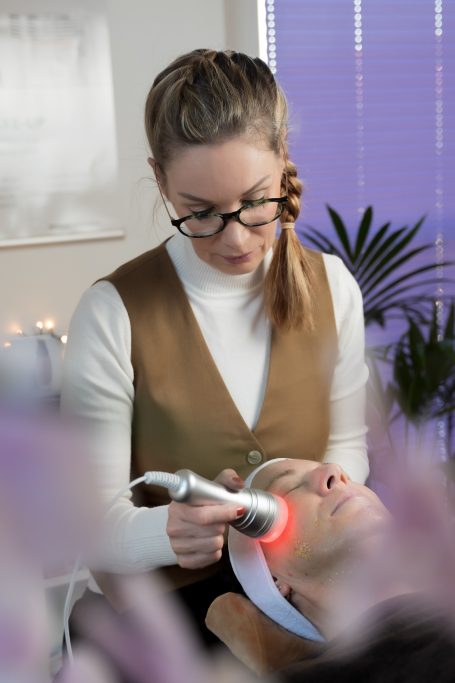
265 514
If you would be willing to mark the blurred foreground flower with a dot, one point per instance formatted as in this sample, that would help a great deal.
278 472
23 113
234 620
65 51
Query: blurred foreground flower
48 514
415 557
152 643
48 495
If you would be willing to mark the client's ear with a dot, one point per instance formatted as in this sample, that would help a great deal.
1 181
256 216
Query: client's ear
257 641
284 588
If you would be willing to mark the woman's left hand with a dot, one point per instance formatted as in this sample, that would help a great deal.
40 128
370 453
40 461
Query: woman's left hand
196 532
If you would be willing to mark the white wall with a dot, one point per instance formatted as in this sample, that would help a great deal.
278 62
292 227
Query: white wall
39 282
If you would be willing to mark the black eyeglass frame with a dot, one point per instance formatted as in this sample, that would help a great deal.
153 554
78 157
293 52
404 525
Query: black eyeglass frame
225 217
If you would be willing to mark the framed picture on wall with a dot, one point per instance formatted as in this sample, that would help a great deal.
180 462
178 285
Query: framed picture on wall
58 149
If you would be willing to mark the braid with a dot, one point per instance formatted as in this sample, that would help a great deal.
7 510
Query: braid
207 97
288 284
291 185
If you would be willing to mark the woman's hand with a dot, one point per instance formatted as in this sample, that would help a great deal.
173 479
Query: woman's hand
196 532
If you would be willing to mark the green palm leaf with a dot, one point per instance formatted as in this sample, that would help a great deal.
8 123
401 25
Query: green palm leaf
434 326
385 270
403 278
341 231
370 249
418 308
385 253
377 258
321 241
379 249
424 370
449 331
364 229
401 290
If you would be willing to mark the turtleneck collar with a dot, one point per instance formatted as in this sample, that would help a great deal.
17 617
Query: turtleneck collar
199 275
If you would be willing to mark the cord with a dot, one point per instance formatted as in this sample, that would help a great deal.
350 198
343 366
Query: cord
165 479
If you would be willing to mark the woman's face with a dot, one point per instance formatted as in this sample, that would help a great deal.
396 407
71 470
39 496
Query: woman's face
329 517
222 177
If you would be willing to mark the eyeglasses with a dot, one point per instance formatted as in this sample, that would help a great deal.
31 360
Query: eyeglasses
252 214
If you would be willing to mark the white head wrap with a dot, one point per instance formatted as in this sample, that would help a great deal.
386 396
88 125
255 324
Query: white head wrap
250 568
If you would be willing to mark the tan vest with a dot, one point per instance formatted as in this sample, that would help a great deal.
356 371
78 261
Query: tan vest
184 415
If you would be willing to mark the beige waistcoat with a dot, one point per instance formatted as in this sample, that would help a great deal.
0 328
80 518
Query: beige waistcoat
184 415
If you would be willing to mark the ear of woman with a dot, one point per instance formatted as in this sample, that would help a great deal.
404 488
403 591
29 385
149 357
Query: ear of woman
159 176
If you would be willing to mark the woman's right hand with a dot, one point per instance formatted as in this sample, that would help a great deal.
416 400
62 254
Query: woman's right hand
196 532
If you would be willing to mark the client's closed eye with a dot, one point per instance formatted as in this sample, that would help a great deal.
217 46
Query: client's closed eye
303 483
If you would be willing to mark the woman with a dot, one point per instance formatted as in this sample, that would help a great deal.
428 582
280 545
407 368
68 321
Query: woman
220 348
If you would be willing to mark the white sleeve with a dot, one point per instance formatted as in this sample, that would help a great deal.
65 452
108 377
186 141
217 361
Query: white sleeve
347 439
98 391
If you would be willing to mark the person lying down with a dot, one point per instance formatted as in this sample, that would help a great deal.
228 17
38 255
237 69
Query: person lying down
292 580
310 582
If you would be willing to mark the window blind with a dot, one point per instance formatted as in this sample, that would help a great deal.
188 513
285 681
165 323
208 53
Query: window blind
371 91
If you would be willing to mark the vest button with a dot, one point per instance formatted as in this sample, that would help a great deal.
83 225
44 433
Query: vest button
254 457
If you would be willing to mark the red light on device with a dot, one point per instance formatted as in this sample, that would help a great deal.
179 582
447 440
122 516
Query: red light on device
280 523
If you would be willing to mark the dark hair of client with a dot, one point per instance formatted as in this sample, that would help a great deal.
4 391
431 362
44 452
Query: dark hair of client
207 97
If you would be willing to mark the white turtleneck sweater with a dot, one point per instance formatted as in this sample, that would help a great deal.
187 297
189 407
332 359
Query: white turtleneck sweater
98 384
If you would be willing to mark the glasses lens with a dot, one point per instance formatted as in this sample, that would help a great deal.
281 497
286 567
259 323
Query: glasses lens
202 227
260 214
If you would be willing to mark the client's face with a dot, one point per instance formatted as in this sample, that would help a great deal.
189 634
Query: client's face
330 516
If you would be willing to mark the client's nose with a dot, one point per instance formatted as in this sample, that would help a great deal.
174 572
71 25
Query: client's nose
330 476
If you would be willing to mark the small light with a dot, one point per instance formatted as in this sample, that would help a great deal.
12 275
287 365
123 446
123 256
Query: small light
64 338
280 522
19 332
49 325
7 345
39 325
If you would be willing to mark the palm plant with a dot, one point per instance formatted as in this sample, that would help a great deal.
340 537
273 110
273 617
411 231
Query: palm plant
422 387
376 259
424 373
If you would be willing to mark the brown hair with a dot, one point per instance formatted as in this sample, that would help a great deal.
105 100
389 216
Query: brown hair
207 97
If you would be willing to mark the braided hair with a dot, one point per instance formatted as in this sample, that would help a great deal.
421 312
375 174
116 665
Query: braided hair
209 97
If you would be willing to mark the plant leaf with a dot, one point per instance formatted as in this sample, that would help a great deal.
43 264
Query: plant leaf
380 234
341 231
446 410
387 255
416 346
403 278
364 229
371 300
319 240
379 251
433 338
387 265
449 332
